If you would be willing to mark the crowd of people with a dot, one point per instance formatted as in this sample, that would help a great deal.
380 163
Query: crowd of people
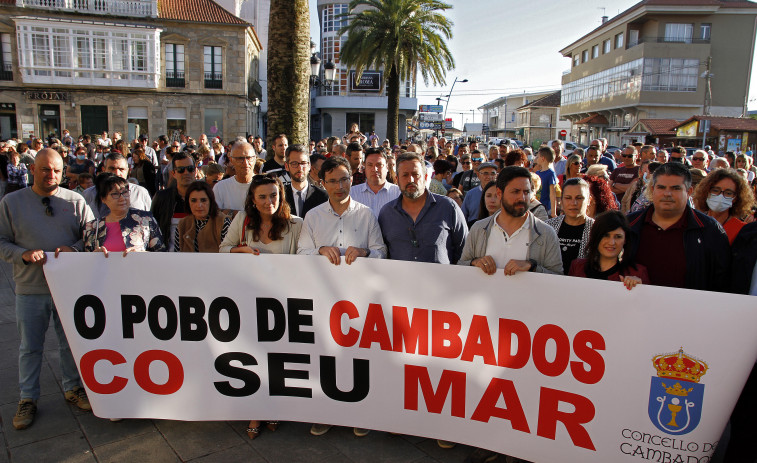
636 216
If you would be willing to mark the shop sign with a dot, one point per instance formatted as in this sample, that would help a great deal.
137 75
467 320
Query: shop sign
47 96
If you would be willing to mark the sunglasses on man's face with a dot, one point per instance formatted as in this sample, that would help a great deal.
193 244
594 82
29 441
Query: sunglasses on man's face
182 169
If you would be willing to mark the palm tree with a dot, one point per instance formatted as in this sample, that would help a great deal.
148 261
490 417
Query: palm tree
400 36
289 71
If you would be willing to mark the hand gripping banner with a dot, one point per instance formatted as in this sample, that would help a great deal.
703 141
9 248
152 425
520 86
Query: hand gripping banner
540 367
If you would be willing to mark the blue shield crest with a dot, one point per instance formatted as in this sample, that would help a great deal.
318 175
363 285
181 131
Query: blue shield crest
675 406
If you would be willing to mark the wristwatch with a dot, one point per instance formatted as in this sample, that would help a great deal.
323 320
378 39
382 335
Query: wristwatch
533 265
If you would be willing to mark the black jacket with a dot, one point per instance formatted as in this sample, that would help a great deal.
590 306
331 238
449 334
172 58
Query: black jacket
744 255
163 205
706 246
314 196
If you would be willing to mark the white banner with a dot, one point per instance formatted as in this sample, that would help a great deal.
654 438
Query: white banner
542 367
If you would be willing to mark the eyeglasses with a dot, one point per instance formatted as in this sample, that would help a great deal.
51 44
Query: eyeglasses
466 163
627 155
245 158
340 182
726 193
478 159
117 194
182 169
697 159
413 238
594 147
575 163
48 207
295 164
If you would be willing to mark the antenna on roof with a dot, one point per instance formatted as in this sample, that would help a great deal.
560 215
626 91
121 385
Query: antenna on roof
604 14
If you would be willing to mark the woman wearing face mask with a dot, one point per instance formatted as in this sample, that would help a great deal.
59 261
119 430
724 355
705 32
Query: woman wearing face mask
607 257
80 164
725 196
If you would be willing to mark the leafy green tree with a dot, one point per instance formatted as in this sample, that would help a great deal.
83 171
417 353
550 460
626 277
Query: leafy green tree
402 37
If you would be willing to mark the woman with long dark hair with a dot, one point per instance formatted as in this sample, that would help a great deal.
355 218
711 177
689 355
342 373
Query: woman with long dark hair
265 226
608 256
204 229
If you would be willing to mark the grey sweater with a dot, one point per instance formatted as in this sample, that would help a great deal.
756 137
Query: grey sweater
25 226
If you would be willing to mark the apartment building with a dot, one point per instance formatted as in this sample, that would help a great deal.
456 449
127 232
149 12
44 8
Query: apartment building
350 101
136 66
500 113
660 59
539 121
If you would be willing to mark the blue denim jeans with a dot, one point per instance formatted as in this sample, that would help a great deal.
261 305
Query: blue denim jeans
33 312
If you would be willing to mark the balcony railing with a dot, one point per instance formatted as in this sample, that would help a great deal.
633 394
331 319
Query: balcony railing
6 73
140 8
213 80
667 40
175 79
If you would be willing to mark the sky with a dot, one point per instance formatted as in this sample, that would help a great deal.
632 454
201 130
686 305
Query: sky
510 46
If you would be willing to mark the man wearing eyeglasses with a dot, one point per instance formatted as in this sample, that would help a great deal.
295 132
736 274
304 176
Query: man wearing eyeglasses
300 193
486 172
168 206
468 180
341 226
33 221
116 164
231 193
622 177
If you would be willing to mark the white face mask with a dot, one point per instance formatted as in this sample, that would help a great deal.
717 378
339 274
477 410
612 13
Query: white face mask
719 203
645 178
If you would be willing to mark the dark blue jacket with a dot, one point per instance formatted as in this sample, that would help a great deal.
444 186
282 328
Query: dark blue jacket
708 254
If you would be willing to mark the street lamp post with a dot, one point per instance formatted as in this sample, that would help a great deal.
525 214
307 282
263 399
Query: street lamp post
449 97
329 73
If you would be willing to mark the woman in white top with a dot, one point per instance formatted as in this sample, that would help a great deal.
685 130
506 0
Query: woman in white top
265 226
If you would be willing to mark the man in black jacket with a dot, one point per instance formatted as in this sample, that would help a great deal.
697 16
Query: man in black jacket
168 205
681 247
301 194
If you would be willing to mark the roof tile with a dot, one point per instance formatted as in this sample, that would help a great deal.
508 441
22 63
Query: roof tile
204 11
660 126
551 100
744 124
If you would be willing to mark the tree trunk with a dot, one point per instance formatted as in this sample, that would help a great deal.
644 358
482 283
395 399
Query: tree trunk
393 106
289 71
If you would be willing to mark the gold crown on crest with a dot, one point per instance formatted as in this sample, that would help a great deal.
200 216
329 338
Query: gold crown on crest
677 390
679 365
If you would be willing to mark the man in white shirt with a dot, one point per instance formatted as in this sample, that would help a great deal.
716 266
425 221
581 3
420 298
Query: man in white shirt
139 197
513 239
376 191
300 193
231 193
340 226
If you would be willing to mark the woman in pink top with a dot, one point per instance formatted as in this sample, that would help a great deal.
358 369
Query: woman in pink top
124 229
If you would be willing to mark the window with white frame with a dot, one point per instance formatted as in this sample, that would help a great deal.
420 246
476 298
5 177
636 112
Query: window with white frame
585 56
670 74
5 57
619 40
679 32
212 67
607 46
595 51
331 19
576 60
705 29
330 50
69 52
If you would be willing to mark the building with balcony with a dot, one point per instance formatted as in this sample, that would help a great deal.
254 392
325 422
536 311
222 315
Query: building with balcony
659 59
349 101
499 114
136 66
539 121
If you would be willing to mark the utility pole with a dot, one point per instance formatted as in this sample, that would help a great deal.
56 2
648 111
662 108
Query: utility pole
707 87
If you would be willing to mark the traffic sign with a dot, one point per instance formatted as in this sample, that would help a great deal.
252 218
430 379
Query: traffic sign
430 117
563 133
430 108
430 125
448 124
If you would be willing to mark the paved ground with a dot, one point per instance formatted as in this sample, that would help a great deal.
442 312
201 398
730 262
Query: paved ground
62 433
